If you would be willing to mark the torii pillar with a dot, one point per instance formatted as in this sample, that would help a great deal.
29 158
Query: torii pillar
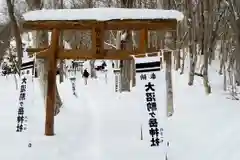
51 94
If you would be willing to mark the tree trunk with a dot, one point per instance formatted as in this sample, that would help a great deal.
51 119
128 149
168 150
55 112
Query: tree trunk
192 49
133 73
237 58
92 69
40 41
61 62
125 65
16 31
168 79
205 47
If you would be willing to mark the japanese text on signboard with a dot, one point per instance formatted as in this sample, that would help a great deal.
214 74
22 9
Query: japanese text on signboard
151 106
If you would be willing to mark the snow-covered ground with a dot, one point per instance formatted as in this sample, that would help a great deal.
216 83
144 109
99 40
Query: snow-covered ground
100 124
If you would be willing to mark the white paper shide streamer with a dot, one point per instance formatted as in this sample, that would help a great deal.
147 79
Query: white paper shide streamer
155 122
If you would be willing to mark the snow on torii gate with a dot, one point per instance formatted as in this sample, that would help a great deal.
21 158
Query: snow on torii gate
98 20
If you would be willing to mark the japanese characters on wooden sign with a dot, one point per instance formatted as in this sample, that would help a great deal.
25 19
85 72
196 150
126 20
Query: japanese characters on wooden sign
98 40
27 73
151 106
21 118
147 74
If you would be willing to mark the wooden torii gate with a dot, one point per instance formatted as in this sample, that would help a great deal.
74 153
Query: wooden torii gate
97 51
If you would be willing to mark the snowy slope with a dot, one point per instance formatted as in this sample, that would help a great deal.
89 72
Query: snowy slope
102 125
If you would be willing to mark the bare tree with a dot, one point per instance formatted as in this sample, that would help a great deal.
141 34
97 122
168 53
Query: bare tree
41 41
61 68
90 4
16 31
125 65
234 8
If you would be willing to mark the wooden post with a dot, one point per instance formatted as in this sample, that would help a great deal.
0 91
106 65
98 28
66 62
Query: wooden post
143 41
51 88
